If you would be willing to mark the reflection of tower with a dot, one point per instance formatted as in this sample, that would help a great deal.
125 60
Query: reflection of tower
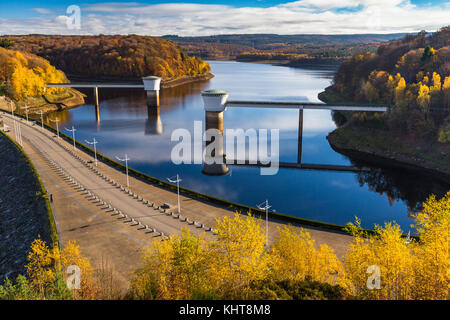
97 106
214 162
300 136
153 125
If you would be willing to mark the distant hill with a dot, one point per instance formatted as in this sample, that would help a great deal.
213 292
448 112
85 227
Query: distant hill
293 49
115 56
259 40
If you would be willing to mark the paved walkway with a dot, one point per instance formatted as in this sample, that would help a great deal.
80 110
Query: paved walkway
111 222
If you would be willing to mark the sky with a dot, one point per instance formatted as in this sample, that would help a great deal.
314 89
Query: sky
208 17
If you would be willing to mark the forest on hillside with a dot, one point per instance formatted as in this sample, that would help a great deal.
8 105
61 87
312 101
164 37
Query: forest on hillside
412 75
24 75
257 47
113 56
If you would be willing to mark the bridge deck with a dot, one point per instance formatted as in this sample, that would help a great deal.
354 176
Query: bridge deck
307 105
96 85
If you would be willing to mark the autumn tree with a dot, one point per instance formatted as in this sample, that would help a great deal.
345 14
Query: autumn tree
46 274
26 75
116 56
294 256
409 268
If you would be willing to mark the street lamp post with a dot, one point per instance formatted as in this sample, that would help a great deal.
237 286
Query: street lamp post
18 132
57 128
265 206
73 136
94 142
177 181
126 166
12 110
42 119
26 111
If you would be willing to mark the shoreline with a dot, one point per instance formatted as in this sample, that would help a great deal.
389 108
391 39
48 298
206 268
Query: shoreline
201 197
73 98
317 63
186 80
46 103
385 159
171 83
361 144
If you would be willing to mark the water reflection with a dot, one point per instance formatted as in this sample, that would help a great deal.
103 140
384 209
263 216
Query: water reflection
153 125
411 187
128 126
214 162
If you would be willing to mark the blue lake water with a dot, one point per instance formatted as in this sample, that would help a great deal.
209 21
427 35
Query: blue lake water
335 197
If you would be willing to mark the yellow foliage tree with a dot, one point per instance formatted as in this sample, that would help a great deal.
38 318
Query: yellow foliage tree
446 90
176 268
235 262
40 267
399 95
408 269
423 97
294 256
71 255
46 264
432 272
186 266
388 251
436 82
239 254
27 74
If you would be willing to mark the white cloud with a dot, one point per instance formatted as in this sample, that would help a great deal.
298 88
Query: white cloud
62 20
305 16
43 11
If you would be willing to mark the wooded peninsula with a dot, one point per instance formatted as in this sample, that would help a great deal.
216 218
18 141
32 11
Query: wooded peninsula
412 76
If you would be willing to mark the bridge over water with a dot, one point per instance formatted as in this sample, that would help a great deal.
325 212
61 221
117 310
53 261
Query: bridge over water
215 103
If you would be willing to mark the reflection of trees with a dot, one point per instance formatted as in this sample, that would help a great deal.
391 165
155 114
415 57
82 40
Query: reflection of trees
176 97
64 117
339 118
409 186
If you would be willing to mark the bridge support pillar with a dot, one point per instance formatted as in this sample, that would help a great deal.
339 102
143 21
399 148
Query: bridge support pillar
214 104
152 86
300 136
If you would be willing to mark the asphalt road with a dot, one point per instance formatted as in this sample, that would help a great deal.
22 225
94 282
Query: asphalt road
101 232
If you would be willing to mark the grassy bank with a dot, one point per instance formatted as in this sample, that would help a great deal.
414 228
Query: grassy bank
364 143
25 208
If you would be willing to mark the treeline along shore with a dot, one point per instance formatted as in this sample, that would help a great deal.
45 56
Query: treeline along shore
412 76
28 63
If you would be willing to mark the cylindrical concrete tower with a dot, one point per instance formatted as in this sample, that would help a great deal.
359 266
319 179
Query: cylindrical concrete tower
152 86
215 103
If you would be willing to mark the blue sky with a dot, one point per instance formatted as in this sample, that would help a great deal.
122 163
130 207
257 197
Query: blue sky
203 17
